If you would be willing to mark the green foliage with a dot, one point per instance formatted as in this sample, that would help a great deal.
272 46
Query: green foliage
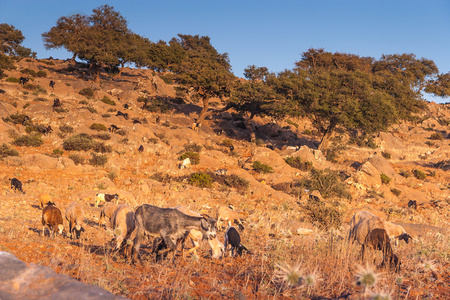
385 179
87 92
201 180
194 157
98 159
16 118
29 72
396 192
437 136
80 142
77 159
155 104
30 140
12 79
98 127
233 181
41 74
386 155
227 143
66 129
327 182
298 163
101 147
5 151
322 215
108 101
261 168
193 147
57 152
102 136
419 174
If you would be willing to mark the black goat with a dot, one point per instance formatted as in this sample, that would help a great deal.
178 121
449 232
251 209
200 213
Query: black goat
56 103
233 238
52 84
16 185
126 106
23 80
141 148
47 130
113 128
412 204
124 115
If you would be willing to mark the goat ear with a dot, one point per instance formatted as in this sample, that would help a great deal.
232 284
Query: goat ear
205 225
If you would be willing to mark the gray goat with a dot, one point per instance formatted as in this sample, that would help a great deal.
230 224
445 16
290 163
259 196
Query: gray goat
170 224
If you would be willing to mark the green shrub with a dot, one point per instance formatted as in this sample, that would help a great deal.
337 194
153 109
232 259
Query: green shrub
108 101
396 192
385 179
49 63
87 92
227 143
77 159
5 151
262 168
192 147
98 127
16 118
121 132
102 136
30 140
41 74
29 72
386 155
437 136
91 109
155 104
329 183
57 152
307 132
419 174
112 175
66 129
98 160
201 179
80 142
298 163
234 181
12 79
194 157
322 215
102 148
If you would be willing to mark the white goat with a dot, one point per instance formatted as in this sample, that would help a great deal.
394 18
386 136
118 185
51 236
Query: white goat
122 222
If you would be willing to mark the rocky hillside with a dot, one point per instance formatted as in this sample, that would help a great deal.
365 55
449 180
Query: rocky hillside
410 162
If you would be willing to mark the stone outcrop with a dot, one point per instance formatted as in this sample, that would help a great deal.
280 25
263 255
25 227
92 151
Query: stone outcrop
19 280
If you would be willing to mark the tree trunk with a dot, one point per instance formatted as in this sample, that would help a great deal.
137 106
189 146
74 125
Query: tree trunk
95 69
204 111
326 137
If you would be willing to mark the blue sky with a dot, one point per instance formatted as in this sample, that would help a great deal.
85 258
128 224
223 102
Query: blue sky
265 33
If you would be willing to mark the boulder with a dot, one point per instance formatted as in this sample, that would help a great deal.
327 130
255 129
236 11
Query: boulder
19 280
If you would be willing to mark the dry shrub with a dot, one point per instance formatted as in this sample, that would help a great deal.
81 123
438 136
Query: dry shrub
201 180
5 151
30 140
262 168
79 142
329 183
98 160
193 157
98 127
322 214
298 163
77 159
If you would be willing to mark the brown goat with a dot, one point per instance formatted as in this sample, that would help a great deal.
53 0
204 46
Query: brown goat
378 239
52 217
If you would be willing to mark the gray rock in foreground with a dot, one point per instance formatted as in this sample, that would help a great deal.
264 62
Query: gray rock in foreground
19 280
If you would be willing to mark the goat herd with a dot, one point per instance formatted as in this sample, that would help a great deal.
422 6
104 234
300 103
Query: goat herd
172 226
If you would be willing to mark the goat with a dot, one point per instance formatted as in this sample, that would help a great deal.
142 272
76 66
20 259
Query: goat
196 236
412 204
227 214
122 222
23 80
105 198
218 131
170 224
141 148
74 214
107 211
136 121
157 119
378 239
44 200
233 239
124 115
56 103
126 106
363 222
16 185
47 130
113 128
52 217
52 84
221 172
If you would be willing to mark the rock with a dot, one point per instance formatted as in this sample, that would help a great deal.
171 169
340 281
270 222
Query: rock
19 280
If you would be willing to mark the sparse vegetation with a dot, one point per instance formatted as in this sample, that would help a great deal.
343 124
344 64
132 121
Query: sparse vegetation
201 180
98 127
385 179
79 142
322 214
194 157
6 151
87 92
98 159
298 163
262 168
108 101
77 159
29 140
437 136
419 174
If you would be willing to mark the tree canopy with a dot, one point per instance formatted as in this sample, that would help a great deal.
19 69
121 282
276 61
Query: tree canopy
10 46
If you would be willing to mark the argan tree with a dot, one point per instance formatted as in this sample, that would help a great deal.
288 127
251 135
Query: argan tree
202 71
101 39
10 46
